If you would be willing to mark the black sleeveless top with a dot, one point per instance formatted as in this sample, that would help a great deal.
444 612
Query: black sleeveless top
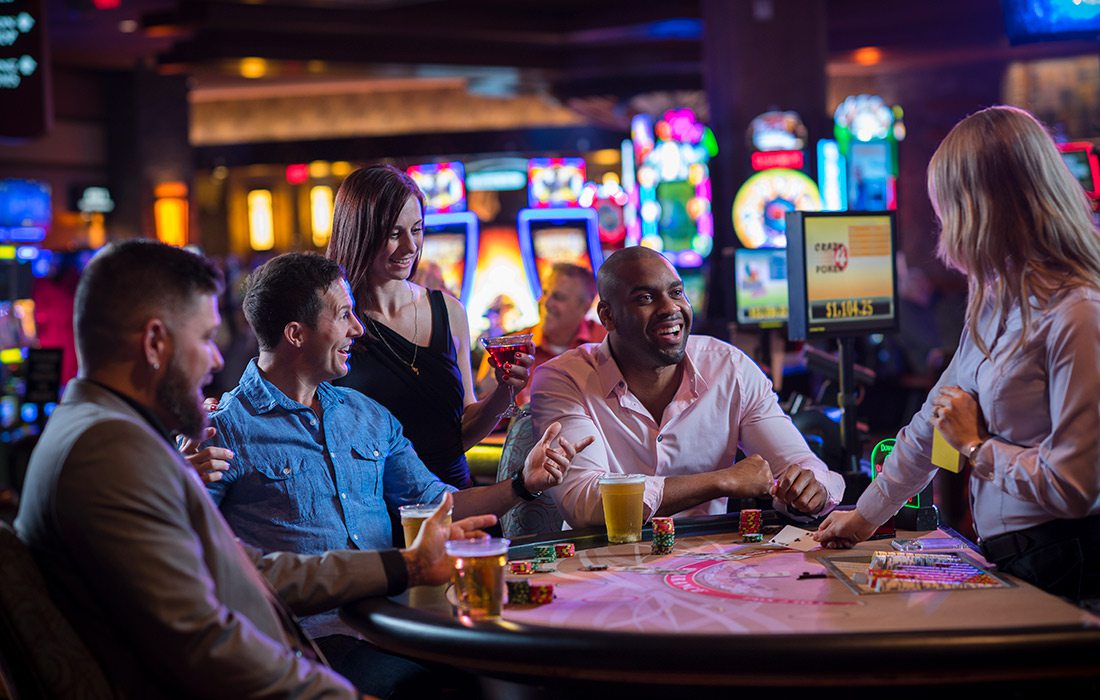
428 405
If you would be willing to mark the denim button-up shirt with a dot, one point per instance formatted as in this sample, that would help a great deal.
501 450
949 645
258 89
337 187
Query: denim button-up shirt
305 484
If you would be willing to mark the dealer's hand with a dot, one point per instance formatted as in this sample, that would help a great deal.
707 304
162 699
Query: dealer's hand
958 417
800 489
843 529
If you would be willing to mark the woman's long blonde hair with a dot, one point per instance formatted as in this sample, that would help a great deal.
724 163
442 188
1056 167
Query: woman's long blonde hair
1013 218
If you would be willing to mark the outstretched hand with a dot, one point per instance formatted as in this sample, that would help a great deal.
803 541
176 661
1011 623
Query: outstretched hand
546 465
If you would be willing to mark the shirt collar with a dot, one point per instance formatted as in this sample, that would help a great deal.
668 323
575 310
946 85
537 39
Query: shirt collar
265 396
611 377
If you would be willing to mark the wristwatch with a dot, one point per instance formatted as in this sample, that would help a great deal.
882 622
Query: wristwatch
520 489
972 451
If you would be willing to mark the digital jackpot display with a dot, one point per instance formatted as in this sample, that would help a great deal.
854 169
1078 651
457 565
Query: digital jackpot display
843 279
761 280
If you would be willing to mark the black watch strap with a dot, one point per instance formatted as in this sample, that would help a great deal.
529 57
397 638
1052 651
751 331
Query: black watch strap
520 489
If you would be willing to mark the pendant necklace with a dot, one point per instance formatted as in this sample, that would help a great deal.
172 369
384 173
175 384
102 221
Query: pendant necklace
416 331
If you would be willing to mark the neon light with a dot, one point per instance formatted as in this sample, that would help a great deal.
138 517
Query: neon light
554 182
170 220
764 160
468 220
297 174
11 356
832 176
443 185
261 224
564 216
320 214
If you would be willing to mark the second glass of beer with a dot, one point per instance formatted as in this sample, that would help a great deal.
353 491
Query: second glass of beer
622 506
412 517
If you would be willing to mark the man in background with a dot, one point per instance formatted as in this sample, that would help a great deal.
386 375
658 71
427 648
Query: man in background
569 293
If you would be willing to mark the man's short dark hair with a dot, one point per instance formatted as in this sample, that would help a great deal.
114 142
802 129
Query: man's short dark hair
128 283
284 289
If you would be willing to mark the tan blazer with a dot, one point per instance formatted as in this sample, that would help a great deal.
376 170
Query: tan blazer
152 578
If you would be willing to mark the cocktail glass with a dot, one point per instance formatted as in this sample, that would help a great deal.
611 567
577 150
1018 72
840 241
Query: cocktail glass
503 349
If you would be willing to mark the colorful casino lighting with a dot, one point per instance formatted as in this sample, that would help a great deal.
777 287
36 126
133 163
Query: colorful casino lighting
170 212
676 158
297 173
320 214
443 185
261 220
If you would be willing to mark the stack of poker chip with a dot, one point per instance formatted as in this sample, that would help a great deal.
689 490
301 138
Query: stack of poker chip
519 592
521 567
565 549
664 536
545 554
751 522
541 594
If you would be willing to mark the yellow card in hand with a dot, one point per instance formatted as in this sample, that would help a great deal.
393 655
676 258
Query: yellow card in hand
944 455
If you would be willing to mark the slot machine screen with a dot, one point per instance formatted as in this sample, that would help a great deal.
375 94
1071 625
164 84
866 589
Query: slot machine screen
556 243
676 225
1082 166
842 274
869 176
446 246
761 279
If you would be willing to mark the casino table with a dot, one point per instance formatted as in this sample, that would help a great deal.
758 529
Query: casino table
719 612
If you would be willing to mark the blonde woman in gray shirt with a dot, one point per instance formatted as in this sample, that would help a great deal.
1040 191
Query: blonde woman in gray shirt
1021 398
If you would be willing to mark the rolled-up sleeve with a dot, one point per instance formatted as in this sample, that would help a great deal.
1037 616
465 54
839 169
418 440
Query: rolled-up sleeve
556 396
766 430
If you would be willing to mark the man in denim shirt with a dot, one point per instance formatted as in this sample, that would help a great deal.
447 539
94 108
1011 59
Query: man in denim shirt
297 464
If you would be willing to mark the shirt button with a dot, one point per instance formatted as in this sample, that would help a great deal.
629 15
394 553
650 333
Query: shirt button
660 438
343 495
286 470
313 421
376 453
332 454
355 537
298 653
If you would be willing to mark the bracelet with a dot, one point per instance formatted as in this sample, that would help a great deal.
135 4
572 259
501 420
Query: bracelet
971 451
520 489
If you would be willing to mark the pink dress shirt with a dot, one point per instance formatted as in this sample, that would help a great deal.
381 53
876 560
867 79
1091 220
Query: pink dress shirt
1041 403
724 400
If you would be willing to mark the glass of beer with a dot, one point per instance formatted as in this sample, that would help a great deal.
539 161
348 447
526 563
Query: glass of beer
622 506
412 517
478 575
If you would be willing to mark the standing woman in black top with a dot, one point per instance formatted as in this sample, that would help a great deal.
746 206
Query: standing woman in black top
414 357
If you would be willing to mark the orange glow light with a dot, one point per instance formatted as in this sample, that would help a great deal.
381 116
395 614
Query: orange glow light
170 215
867 56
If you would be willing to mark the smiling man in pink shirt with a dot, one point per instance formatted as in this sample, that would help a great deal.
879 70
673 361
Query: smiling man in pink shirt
672 407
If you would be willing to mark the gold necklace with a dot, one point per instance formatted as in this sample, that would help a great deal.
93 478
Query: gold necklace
416 331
